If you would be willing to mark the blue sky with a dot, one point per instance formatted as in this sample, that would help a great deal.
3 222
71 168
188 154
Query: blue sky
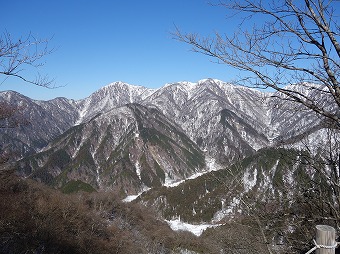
99 42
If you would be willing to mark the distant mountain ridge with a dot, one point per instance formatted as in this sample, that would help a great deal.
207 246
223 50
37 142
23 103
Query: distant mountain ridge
208 152
155 134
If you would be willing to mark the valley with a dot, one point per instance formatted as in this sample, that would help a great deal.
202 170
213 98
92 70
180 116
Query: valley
209 157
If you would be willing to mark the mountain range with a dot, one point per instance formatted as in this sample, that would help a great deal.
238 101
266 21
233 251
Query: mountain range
131 137
205 152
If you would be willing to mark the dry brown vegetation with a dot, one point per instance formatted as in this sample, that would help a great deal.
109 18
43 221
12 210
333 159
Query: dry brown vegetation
37 219
34 219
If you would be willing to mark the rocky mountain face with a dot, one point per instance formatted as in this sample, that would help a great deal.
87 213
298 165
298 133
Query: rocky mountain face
206 111
37 122
129 148
149 136
205 152
275 191
270 179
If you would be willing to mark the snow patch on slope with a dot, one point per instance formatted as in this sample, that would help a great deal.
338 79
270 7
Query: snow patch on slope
227 210
249 179
211 166
197 230
133 197
138 170
83 112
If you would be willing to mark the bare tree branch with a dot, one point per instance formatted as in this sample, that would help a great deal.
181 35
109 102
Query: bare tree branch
16 56
20 54
296 43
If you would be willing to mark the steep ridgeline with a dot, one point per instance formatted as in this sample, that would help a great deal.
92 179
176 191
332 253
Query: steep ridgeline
129 148
132 137
113 95
38 122
226 121
291 122
270 179
277 188
242 153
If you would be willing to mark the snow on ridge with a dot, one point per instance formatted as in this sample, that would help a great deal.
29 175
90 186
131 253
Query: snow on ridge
304 87
210 79
121 83
188 85
82 112
132 90
218 82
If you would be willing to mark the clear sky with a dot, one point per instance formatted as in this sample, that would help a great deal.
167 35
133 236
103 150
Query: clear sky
99 42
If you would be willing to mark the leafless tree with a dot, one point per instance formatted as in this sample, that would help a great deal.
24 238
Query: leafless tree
291 42
291 47
16 55
325 165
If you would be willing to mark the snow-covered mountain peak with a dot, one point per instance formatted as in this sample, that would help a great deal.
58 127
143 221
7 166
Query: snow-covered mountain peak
217 82
304 88
205 110
192 88
211 80
185 87
8 95
111 96
122 85
116 83
188 85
